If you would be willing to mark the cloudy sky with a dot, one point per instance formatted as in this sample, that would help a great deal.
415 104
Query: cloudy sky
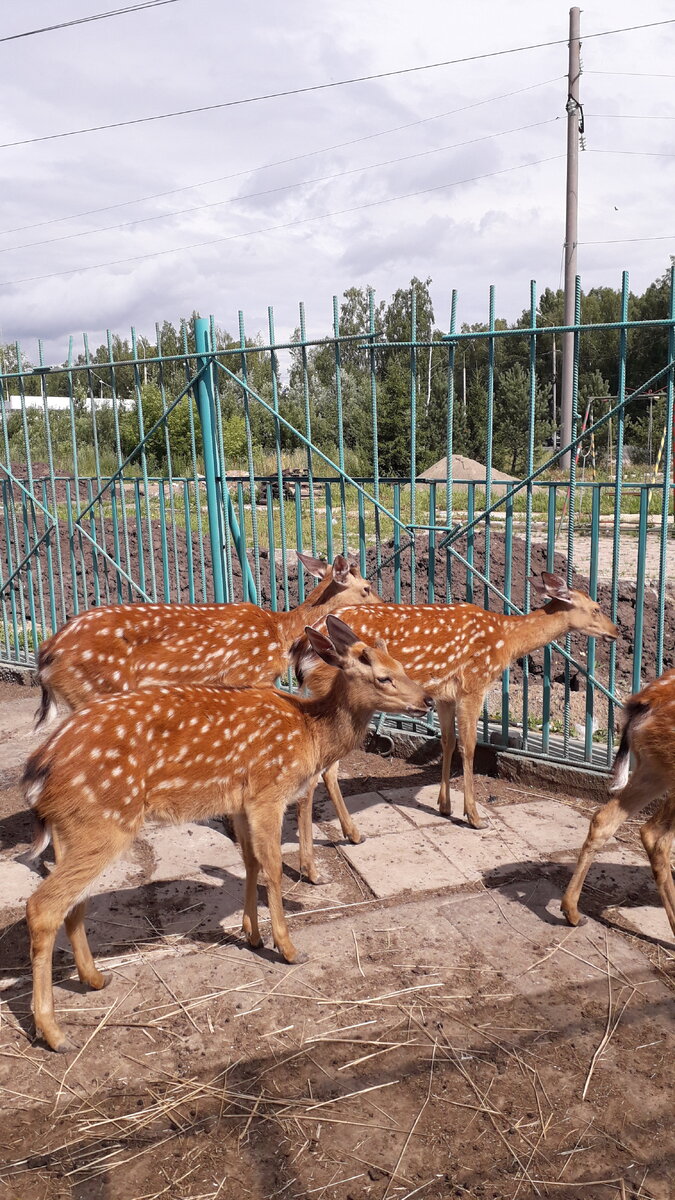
455 172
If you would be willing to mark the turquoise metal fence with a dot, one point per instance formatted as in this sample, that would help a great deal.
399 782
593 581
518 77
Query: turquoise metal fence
191 468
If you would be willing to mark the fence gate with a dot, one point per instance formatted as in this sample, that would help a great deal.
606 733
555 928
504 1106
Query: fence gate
193 467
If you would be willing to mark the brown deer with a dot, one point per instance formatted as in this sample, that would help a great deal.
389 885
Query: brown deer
456 652
184 753
648 736
122 647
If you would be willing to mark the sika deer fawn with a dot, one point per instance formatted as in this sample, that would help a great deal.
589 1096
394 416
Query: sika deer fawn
457 651
648 736
123 647
184 753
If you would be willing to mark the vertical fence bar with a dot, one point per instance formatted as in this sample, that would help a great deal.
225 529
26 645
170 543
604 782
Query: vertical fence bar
376 449
397 543
508 560
449 443
340 423
589 727
298 538
527 598
489 442
274 368
308 427
572 503
193 454
116 402
144 469
618 485
431 580
413 441
550 560
272 546
640 588
189 565
249 449
470 513
329 522
204 396
222 474
169 459
667 477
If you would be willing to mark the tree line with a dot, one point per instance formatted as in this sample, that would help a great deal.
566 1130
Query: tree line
353 377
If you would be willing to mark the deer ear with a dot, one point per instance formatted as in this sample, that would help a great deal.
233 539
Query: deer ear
554 587
341 570
323 646
340 634
380 644
315 566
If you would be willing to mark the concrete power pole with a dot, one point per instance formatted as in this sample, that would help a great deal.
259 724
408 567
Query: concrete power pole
571 230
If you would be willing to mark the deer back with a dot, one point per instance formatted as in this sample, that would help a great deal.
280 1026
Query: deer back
123 647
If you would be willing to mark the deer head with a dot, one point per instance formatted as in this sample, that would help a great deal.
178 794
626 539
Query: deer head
380 679
342 582
585 614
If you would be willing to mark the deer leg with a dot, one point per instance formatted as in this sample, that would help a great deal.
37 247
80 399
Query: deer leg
446 720
468 710
349 829
265 826
604 824
46 910
657 838
307 861
250 919
84 960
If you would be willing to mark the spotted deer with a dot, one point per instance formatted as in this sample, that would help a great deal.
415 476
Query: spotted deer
648 735
457 652
122 647
184 753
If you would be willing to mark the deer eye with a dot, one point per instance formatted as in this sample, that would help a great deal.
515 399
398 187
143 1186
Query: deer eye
366 590
385 679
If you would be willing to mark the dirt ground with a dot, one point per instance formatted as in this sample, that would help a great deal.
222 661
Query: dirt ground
437 1043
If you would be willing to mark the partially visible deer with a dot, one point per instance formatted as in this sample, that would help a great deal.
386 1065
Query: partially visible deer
121 647
456 652
185 753
649 735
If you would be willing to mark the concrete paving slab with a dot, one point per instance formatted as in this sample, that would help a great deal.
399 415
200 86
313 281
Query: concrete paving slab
402 862
420 804
651 922
546 826
478 853
193 851
374 816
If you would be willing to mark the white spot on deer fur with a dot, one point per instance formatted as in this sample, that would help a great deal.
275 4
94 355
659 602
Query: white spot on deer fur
499 644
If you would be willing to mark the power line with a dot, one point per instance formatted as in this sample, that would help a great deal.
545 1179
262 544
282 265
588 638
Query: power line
666 237
286 225
641 153
631 116
282 162
282 188
113 12
635 74
320 87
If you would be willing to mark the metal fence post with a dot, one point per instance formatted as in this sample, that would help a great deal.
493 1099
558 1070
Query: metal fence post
204 393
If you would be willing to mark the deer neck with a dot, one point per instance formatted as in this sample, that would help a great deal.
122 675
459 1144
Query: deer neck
537 628
340 719
292 623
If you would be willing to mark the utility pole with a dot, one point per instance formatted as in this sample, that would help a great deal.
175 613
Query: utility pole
574 127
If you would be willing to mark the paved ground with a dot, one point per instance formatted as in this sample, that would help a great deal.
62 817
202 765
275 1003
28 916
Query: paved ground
440 973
